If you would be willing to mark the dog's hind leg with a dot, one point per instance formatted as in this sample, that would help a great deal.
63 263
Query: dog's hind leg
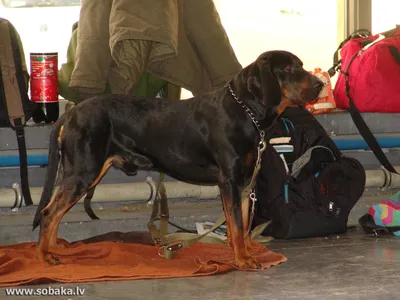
71 191
50 219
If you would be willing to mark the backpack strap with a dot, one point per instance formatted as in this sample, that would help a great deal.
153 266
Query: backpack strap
304 159
362 126
11 61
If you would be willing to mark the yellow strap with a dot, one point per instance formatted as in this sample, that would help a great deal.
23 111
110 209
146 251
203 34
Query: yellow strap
176 241
160 201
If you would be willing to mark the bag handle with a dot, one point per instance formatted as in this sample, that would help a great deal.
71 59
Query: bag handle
362 126
360 33
336 62
304 159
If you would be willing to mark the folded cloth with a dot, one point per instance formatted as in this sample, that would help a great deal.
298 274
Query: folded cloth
102 258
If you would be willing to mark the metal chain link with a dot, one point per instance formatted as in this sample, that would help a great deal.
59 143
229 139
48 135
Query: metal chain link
261 145
249 112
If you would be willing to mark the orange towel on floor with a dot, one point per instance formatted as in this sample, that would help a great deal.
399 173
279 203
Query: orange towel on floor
91 260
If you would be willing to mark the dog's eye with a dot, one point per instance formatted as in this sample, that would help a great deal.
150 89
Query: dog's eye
289 69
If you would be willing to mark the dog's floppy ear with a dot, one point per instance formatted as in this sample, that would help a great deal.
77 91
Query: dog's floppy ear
263 84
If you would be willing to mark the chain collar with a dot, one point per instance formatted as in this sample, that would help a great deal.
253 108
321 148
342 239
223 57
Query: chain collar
262 143
249 191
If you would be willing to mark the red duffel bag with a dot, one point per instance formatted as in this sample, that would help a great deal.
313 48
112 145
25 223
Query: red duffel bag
369 73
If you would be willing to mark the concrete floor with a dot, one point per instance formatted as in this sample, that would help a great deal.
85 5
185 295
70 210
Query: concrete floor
350 266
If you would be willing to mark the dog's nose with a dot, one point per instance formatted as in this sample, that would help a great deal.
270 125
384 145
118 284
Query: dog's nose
318 85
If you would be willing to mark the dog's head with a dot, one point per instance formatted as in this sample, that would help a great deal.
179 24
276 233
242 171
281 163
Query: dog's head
278 79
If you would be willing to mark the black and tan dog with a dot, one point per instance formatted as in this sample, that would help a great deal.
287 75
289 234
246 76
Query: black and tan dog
209 140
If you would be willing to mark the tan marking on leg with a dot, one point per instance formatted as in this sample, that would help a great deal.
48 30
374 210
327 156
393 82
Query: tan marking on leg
242 256
113 160
47 224
60 134
245 214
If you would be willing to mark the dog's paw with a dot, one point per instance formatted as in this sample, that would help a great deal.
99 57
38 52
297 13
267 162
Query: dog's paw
51 260
47 257
248 263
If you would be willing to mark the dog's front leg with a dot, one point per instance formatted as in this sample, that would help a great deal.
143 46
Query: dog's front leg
230 195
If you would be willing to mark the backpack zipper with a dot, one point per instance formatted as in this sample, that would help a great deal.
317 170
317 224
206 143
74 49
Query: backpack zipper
286 186
286 121
286 193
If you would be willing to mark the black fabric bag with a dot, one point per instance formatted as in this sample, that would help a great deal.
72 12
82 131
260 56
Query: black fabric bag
311 190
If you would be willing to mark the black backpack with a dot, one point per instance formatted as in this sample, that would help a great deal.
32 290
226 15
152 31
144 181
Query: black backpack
305 187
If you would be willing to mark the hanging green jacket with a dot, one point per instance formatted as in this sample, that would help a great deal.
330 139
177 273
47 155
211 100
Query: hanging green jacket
149 85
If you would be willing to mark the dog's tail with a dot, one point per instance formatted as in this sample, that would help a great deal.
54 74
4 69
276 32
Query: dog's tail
52 170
